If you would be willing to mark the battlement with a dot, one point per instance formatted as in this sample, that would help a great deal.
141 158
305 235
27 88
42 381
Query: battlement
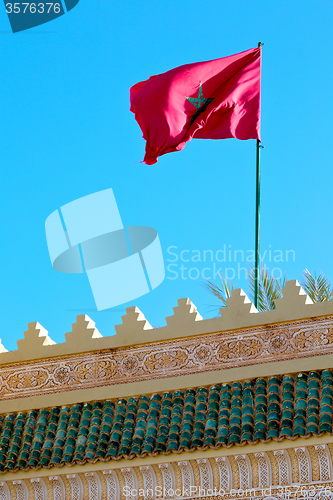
189 351
186 321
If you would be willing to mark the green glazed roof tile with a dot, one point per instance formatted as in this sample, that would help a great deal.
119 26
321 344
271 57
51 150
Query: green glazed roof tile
166 412
94 430
27 438
38 438
60 435
15 443
312 429
152 424
280 408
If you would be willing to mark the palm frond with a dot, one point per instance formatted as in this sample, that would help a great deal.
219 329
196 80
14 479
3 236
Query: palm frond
270 288
318 288
222 291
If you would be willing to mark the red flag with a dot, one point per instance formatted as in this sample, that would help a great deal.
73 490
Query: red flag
215 99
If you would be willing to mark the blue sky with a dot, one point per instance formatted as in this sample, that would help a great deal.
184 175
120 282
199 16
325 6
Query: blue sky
67 132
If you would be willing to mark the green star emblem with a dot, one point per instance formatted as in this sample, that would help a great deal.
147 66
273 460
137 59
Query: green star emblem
199 102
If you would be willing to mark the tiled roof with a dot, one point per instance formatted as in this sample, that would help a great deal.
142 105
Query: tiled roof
220 415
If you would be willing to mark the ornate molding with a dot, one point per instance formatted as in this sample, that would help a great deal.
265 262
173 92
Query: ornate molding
39 488
77 489
149 481
206 476
325 462
187 477
21 490
264 468
4 491
95 490
171 358
180 480
284 465
112 484
131 483
245 473
225 473
168 475
304 464
58 487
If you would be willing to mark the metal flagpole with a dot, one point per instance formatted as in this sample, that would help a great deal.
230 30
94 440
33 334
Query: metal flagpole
257 224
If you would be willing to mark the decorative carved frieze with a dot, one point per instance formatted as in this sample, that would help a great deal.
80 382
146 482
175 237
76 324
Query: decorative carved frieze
168 359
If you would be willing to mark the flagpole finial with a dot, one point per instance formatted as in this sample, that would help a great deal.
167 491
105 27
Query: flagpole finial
260 44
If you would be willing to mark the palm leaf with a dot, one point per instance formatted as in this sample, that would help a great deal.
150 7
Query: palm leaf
270 288
222 291
318 288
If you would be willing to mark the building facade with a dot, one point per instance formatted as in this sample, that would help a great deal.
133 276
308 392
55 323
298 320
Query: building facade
239 406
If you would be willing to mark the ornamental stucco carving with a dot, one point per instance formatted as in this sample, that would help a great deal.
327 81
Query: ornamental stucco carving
172 358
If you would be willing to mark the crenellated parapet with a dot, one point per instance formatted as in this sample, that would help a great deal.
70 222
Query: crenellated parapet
186 321
139 357
34 338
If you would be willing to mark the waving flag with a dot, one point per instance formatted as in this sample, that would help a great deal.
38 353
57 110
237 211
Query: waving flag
216 99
